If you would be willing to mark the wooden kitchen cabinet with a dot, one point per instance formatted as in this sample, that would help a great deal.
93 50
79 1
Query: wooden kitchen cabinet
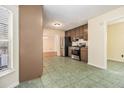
85 35
81 32
78 32
84 54
67 33
85 32
72 32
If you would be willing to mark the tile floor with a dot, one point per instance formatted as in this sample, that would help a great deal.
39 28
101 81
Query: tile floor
61 72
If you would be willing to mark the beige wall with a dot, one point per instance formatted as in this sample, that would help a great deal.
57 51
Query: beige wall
53 32
115 44
52 42
97 37
12 79
30 26
49 43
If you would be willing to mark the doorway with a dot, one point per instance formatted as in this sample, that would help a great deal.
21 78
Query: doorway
53 43
49 46
115 45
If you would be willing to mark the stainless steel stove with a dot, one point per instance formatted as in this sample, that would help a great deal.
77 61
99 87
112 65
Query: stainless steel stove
76 53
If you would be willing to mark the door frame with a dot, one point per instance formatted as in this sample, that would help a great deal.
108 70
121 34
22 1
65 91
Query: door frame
106 23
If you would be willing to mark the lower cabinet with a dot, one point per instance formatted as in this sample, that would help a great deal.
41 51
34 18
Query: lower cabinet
84 54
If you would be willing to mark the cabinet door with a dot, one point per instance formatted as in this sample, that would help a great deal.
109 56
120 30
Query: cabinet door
85 26
73 34
85 34
75 31
84 54
81 32
78 32
67 33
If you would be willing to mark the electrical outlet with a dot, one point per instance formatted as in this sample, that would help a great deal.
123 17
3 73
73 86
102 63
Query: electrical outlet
122 55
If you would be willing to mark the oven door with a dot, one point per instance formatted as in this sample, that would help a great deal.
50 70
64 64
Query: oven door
75 52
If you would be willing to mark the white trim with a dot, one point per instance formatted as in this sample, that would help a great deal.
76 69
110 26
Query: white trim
106 23
98 66
10 38
105 45
6 72
5 40
14 85
112 59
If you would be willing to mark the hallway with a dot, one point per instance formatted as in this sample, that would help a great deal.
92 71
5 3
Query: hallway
61 72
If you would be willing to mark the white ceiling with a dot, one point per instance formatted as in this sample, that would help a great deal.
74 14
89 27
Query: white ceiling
72 15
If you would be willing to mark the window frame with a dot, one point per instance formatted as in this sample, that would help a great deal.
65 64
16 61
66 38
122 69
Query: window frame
10 67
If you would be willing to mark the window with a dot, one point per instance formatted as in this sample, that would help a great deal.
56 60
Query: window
6 41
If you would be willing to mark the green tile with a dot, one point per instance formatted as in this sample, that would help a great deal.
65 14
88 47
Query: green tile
94 77
106 83
37 83
26 85
85 83
64 72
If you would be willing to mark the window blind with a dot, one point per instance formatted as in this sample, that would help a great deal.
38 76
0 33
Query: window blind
4 39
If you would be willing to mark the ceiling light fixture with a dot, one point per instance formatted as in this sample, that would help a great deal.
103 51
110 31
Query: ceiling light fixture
57 24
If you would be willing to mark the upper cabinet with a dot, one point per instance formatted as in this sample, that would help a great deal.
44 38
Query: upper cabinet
66 34
80 32
77 32
85 32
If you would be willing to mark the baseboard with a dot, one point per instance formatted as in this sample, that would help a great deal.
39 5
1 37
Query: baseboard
111 59
97 66
14 85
